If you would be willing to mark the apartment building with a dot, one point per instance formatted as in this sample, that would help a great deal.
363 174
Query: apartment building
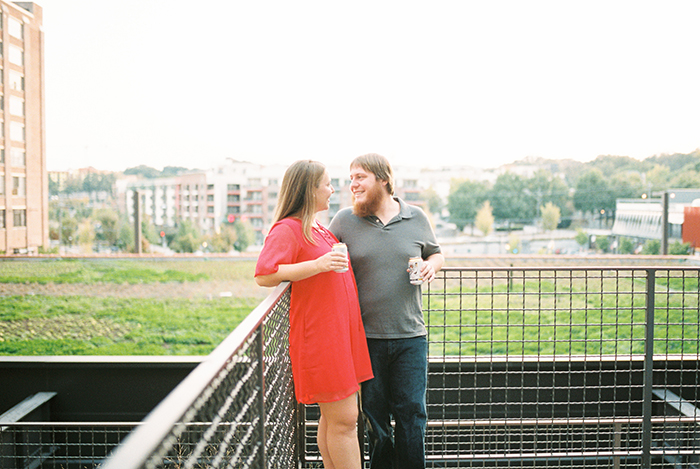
239 190
24 218
232 191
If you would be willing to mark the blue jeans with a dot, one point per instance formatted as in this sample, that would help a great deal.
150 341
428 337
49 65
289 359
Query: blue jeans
398 389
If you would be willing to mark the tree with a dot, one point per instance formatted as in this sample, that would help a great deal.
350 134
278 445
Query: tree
626 246
484 219
187 238
581 237
108 230
593 193
677 248
652 247
603 243
687 179
69 226
224 240
609 164
510 200
515 244
125 240
544 187
464 199
551 214
86 235
245 235
658 178
433 200
143 171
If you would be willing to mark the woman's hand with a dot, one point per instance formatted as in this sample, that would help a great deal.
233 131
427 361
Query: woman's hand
332 261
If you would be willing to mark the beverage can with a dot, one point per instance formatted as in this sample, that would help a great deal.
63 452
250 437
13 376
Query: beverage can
342 248
415 265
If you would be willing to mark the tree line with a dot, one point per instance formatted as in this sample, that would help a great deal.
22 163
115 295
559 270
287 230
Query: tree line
590 189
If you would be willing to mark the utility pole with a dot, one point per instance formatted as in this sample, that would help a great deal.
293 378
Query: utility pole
664 223
137 222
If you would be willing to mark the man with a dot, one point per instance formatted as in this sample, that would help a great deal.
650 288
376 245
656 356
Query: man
382 233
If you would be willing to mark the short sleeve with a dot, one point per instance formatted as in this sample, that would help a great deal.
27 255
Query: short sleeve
280 247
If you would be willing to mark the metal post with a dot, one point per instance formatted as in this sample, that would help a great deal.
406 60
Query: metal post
261 402
648 370
137 222
664 223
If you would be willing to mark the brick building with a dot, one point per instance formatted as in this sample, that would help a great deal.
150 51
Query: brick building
24 197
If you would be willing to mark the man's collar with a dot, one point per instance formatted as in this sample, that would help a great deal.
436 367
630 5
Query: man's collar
404 209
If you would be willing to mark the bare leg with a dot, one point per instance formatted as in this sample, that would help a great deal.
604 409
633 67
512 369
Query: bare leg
340 439
322 444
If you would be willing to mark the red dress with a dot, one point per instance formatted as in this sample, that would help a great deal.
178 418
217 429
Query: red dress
327 343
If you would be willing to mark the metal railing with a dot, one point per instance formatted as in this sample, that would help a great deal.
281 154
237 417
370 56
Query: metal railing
561 366
236 409
564 366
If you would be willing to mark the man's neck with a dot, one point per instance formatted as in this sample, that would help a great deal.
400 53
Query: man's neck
388 209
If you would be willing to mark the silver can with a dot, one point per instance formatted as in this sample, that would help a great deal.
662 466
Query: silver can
342 248
415 265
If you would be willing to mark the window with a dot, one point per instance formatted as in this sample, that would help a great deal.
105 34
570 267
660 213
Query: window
210 187
19 186
2 184
210 209
210 198
16 106
15 27
2 156
233 198
2 219
18 158
16 56
19 217
16 80
233 187
17 131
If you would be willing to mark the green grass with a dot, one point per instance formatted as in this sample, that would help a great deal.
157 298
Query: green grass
514 316
90 272
87 325
70 325
547 318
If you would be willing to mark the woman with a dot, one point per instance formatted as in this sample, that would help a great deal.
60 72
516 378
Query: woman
327 344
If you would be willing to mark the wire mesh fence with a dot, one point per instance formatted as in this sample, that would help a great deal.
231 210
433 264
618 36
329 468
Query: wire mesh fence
237 409
528 367
563 367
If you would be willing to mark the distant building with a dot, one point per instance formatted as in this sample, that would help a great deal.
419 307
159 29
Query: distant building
641 219
239 190
24 199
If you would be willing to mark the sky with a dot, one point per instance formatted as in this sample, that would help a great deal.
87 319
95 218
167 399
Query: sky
429 84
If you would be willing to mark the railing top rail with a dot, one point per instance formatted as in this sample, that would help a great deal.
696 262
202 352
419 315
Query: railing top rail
140 444
568 268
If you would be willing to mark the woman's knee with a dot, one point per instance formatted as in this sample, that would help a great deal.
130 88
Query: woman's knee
341 415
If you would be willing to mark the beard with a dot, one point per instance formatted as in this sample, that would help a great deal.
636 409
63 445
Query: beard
372 202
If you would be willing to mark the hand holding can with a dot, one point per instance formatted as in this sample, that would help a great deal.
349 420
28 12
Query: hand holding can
343 249
415 267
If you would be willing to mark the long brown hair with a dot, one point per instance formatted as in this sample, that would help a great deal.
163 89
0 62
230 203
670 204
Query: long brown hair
296 197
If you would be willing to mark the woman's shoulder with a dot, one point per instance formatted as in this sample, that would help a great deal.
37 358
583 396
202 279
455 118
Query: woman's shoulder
292 223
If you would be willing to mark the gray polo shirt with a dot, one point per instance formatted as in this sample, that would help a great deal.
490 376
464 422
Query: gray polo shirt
391 306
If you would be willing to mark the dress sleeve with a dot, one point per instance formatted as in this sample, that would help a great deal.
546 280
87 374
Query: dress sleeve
280 247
